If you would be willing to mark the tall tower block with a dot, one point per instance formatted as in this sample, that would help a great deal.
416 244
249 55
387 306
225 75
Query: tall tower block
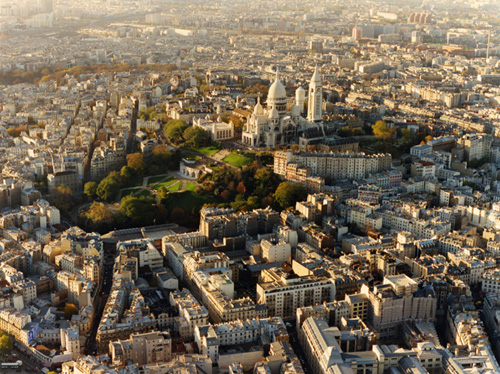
314 110
300 98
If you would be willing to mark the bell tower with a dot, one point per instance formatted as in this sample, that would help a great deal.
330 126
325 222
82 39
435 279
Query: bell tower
315 103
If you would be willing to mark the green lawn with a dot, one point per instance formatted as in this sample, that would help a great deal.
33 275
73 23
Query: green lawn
209 151
154 180
190 186
176 187
238 160
166 183
188 200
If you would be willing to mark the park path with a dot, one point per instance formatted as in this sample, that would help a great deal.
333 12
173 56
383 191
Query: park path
221 154
178 178
145 180
144 185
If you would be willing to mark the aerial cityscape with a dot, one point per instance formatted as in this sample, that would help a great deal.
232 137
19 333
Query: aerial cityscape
263 187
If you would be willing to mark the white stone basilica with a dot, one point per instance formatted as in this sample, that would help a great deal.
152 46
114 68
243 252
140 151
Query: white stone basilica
274 126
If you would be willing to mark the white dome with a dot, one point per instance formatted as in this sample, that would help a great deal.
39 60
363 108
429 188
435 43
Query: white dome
277 90
295 111
300 89
274 113
258 110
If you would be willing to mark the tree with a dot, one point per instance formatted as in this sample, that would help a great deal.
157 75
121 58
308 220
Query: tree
162 193
165 159
162 213
225 194
257 88
381 131
62 197
253 202
135 162
139 210
148 114
161 154
241 189
178 214
196 136
126 173
239 124
69 310
90 189
174 129
287 194
108 188
406 135
263 175
99 214
14 132
5 342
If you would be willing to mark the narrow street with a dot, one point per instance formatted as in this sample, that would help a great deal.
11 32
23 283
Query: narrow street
101 299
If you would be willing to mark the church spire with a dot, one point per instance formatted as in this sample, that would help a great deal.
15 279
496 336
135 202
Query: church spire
315 105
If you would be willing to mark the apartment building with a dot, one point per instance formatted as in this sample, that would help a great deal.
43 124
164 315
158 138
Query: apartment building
142 249
320 344
398 299
332 165
143 349
221 223
283 292
491 282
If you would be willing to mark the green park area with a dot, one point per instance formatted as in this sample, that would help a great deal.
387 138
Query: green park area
238 160
190 186
153 180
175 187
165 183
189 201
208 150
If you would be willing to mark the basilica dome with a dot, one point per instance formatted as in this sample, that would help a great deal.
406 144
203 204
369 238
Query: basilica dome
277 90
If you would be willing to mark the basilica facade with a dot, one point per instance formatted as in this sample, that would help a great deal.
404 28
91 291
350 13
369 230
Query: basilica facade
274 125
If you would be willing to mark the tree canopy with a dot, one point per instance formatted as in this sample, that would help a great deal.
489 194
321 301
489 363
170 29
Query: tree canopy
99 214
406 135
196 136
5 342
135 162
148 114
174 129
381 131
62 197
139 210
109 188
90 189
287 194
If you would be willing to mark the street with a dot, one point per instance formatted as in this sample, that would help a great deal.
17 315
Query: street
101 298
297 347
29 364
